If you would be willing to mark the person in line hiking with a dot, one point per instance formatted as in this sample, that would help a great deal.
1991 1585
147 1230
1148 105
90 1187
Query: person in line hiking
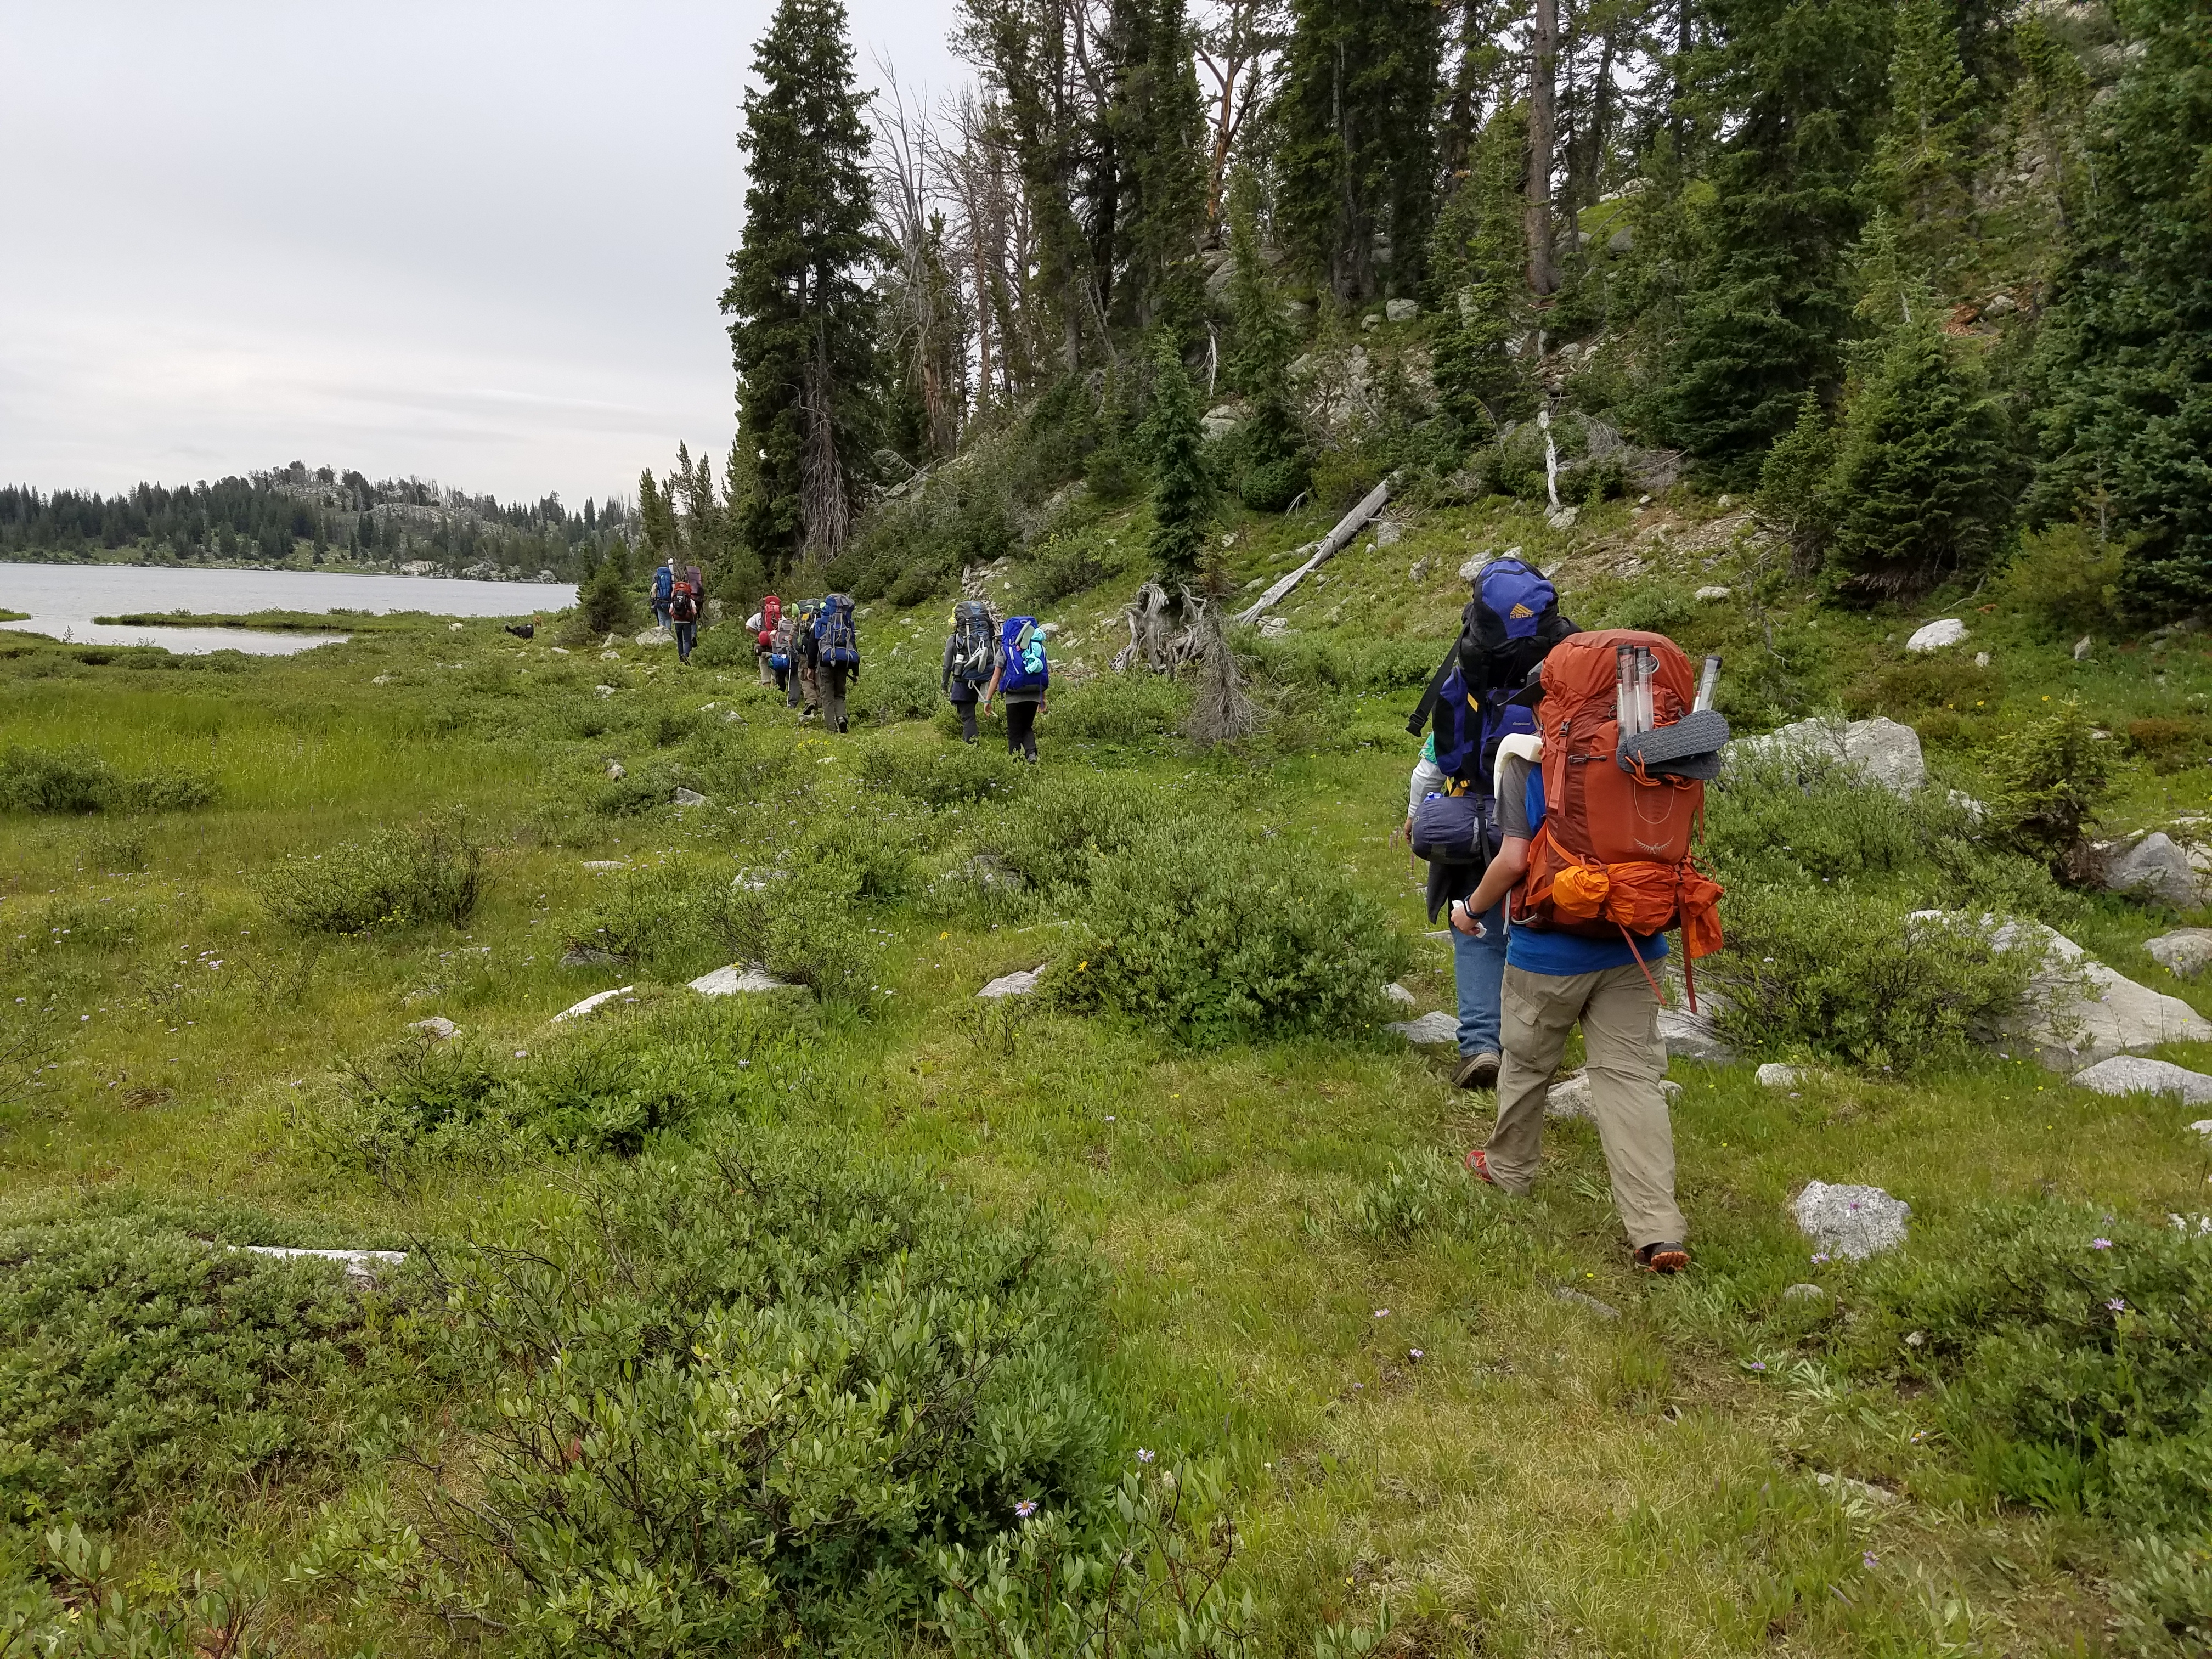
1020 674
806 692
970 652
783 655
683 614
1510 623
762 625
664 589
1595 863
833 653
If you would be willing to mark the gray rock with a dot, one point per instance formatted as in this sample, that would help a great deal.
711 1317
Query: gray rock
1885 752
2000 305
2130 1074
652 637
2204 1126
595 1000
1692 1037
1429 1031
1774 1075
1933 636
2185 952
1851 1221
2154 867
1805 1293
1399 994
1568 1097
739 979
1401 311
2079 1012
617 771
690 797
1389 533
1564 518
1583 1299
1298 313
1877 1496
437 1028
605 864
1981 659
1222 419
362 1267
1621 241
2081 647
1274 627
604 690
1018 984
1708 595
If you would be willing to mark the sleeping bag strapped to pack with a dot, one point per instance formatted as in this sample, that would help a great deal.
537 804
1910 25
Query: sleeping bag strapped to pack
1023 646
771 614
972 633
1613 854
839 646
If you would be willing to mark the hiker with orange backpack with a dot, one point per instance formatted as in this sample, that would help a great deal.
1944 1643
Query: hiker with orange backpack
1597 812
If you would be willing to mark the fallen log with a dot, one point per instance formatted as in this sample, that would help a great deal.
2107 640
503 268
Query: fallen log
1330 546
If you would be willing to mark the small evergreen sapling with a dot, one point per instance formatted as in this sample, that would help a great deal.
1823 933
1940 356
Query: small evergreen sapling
1182 492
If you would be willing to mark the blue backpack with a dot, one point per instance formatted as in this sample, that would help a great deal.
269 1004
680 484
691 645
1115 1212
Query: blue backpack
664 584
1507 630
840 647
1023 646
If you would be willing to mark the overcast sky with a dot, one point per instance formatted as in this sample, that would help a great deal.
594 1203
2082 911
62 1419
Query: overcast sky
474 240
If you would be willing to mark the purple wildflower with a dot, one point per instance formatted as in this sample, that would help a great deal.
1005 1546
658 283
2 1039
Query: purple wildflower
2101 1243
1143 1456
1382 1313
1415 1355
1758 1364
1870 1559
1026 1508
1820 1258
2117 1305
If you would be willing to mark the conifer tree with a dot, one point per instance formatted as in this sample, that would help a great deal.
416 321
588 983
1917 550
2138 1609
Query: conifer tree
1357 117
1476 271
1764 310
1260 348
1181 494
1920 467
1923 159
2125 362
800 326
1793 486
1157 125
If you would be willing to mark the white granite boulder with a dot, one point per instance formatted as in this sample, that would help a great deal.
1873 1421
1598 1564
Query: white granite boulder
362 1267
1401 311
1933 636
1775 1075
1398 994
690 797
579 1010
739 979
1857 1222
436 1028
2079 1011
654 636
1883 751
1019 983
1692 1036
2131 1074
2184 953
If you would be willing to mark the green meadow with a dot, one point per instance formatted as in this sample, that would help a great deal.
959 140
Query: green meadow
741 1324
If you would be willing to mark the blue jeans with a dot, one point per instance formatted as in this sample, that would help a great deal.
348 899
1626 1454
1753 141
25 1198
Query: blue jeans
1479 971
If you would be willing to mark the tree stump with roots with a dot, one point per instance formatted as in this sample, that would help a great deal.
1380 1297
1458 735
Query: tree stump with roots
1168 634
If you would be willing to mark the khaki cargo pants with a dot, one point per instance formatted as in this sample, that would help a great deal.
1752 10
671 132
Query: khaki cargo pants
1620 1018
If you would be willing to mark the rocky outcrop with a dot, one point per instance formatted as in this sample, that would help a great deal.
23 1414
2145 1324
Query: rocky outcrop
1883 751
2184 953
2130 1074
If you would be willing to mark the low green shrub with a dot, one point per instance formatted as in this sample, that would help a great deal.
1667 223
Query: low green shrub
1657 604
1848 976
1334 663
893 689
1272 486
1941 681
608 1085
1128 708
77 780
1200 932
2070 1351
2064 579
2170 745
137 1361
752 1391
804 924
1062 566
431 871
943 776
2048 781
1049 837
1342 477
668 918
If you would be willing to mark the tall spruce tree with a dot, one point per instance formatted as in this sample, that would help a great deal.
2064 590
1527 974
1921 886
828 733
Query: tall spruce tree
1917 492
1923 160
1155 125
1181 493
1356 114
1803 82
2124 362
801 327
1476 271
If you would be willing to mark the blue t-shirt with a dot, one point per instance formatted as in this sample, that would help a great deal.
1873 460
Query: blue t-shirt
1546 952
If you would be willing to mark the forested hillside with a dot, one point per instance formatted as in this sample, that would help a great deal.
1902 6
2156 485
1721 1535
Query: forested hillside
314 516
1924 277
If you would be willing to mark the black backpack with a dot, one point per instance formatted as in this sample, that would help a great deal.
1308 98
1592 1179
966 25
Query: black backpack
973 634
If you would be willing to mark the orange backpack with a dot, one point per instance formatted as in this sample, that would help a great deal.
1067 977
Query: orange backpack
1613 856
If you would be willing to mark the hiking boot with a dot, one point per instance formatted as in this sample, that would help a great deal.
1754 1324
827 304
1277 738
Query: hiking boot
1478 1165
1477 1071
1663 1258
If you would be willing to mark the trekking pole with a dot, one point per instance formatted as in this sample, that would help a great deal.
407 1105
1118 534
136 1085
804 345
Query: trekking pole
1707 683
